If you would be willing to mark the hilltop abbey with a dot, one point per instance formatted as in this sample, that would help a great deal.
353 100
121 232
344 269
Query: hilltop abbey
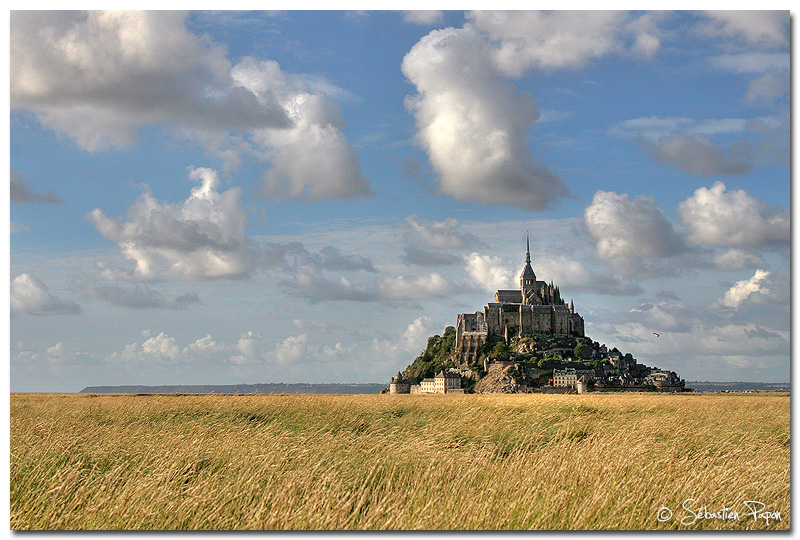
527 340
536 309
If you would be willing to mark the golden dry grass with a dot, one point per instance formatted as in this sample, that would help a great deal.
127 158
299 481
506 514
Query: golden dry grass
395 462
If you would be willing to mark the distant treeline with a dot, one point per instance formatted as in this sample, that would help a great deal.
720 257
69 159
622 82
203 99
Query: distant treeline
710 386
267 388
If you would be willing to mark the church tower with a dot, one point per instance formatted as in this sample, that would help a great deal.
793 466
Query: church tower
527 281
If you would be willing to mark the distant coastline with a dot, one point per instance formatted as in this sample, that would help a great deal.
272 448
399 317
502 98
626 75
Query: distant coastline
367 388
711 386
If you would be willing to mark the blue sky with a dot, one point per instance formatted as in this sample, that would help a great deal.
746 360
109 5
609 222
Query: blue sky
242 197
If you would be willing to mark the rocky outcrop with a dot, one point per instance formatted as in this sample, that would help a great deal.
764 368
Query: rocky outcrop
507 380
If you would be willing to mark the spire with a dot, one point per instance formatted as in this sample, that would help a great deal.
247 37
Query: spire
527 249
527 272
571 306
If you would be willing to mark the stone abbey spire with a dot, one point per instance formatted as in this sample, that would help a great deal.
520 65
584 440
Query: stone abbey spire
527 281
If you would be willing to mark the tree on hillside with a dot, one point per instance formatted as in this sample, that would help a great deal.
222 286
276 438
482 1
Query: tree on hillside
582 351
500 350
436 357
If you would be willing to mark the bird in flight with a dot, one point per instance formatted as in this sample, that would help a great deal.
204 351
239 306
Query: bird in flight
657 333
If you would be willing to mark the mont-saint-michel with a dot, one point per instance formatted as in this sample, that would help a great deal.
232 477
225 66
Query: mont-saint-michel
527 340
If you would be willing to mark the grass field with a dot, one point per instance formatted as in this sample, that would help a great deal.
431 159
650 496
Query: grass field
83 461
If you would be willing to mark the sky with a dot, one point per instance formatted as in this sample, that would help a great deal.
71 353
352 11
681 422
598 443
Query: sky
307 196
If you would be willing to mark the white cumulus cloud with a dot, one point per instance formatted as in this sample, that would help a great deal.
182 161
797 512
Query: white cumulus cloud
99 76
292 349
312 159
741 290
719 217
202 237
30 295
416 335
631 234
473 123
490 273
162 346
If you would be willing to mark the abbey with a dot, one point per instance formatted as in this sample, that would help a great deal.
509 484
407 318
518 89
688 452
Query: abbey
535 309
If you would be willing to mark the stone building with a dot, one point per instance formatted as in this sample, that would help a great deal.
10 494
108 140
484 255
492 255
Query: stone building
397 385
569 377
583 384
535 309
442 383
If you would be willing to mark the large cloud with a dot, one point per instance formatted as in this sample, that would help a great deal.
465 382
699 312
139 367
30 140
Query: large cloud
733 219
30 295
99 76
313 159
202 237
631 234
473 123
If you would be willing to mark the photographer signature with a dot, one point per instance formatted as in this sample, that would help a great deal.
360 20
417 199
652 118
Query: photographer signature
752 509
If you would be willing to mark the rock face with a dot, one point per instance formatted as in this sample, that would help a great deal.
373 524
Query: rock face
507 380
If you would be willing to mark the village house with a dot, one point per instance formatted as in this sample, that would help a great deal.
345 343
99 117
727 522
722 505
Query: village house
442 383
569 377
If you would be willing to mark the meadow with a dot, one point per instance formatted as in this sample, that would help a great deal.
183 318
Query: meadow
547 462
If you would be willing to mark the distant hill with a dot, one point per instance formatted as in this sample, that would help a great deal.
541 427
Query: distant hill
707 386
267 388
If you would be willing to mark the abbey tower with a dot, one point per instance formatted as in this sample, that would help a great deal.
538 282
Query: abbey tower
535 309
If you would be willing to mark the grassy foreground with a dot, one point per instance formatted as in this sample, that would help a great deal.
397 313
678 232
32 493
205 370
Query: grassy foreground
83 461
